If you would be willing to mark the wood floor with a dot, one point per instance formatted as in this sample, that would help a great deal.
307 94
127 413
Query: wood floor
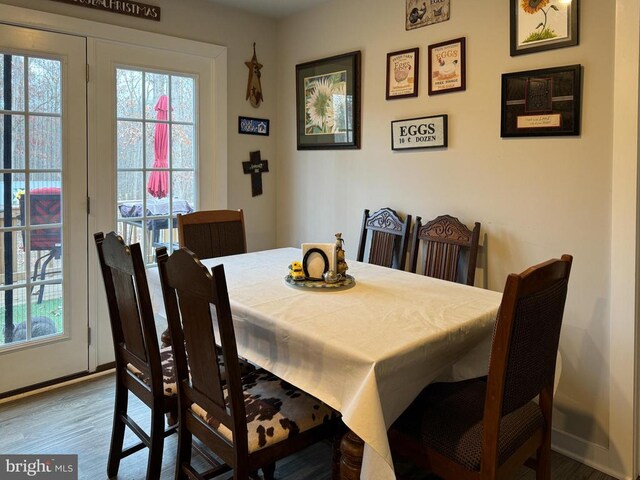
77 420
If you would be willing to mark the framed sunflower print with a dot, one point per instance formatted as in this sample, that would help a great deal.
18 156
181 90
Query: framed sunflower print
538 25
328 103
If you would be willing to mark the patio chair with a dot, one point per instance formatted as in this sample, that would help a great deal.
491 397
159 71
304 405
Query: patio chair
255 420
388 238
485 428
45 207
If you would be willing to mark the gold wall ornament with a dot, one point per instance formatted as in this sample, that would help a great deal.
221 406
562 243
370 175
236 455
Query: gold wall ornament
254 87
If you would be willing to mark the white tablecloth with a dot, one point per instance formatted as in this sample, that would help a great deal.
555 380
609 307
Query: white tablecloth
367 351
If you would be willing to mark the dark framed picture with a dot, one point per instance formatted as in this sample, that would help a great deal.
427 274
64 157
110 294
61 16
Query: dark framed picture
253 126
423 132
542 102
419 13
538 25
328 103
402 73
447 66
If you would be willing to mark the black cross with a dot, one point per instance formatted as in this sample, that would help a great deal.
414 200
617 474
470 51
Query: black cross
255 167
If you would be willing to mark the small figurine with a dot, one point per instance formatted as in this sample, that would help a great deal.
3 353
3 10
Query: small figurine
341 264
330 276
295 271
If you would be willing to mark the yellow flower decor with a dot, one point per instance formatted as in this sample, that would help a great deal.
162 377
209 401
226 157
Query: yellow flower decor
533 6
541 32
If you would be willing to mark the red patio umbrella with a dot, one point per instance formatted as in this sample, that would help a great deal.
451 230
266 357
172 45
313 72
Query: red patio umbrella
158 184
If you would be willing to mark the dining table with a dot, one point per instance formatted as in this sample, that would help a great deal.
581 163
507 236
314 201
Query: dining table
367 351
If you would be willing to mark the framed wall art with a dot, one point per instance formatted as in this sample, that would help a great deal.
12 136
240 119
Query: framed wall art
328 103
423 132
402 73
447 66
253 126
542 102
420 13
538 25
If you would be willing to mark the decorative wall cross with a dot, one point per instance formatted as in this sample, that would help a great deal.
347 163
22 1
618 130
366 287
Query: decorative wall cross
255 167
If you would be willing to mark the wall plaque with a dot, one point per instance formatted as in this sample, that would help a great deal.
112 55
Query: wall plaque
124 7
424 132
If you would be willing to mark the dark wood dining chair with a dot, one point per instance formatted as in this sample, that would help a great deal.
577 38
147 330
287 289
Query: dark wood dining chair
255 420
213 233
449 249
141 366
387 236
485 428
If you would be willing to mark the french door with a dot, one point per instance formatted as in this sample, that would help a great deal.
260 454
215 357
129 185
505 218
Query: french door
43 227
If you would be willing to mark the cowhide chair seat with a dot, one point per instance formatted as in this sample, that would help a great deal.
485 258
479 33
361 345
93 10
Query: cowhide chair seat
276 410
168 371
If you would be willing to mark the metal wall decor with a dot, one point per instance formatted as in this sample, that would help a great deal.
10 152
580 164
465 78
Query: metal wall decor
254 86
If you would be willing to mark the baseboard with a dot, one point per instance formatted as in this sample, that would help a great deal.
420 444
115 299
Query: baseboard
591 454
54 384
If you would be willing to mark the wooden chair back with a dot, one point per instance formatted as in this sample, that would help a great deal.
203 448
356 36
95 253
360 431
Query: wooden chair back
190 291
449 249
525 345
213 233
387 236
130 311
139 367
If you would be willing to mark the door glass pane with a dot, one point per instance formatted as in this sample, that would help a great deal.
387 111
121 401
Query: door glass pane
44 85
12 65
15 125
129 87
156 156
45 147
31 226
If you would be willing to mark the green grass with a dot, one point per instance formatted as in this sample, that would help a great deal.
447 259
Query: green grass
48 308
545 34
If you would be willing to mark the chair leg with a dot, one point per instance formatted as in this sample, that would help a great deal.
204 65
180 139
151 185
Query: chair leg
543 461
184 452
269 471
43 273
117 431
154 465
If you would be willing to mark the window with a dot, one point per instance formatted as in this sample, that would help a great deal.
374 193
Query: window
156 155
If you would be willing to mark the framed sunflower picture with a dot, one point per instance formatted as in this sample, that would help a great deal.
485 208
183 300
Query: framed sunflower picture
538 25
328 103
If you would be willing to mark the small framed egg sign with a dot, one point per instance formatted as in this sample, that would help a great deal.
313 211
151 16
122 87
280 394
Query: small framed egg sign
423 132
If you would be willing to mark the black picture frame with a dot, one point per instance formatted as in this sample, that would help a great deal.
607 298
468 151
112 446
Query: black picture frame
562 18
253 126
338 125
448 66
541 103
420 132
403 73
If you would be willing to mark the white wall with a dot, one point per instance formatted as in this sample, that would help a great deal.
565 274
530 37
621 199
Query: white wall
535 197
237 30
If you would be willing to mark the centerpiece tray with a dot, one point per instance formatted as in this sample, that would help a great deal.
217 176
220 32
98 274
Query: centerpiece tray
320 285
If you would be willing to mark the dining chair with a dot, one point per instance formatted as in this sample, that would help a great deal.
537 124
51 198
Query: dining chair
142 368
251 422
449 249
387 236
487 427
45 207
213 233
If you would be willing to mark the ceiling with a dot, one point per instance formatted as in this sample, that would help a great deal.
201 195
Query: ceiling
271 8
